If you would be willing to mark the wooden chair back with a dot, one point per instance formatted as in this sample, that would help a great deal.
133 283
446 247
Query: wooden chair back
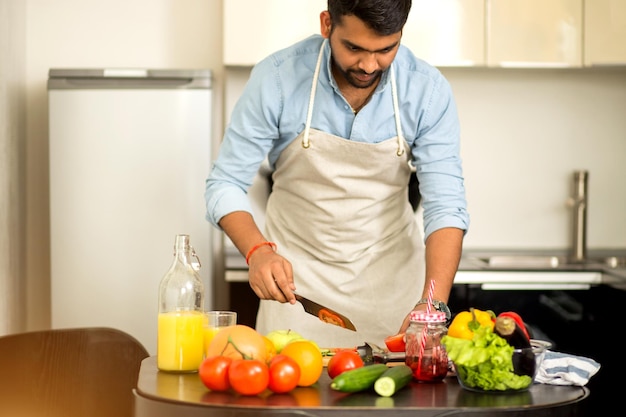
84 372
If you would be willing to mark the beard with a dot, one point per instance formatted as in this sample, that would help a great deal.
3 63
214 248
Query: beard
359 78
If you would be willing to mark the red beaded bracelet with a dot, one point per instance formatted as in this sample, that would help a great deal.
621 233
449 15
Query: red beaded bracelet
257 246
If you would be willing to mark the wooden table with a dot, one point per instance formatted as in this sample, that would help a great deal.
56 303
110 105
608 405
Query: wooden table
183 395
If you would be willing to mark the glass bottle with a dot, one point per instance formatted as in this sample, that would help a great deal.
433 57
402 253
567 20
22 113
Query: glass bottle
181 312
425 354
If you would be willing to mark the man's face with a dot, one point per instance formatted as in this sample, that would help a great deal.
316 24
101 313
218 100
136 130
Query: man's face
359 54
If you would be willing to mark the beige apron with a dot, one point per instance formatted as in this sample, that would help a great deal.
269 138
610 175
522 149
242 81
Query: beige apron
339 213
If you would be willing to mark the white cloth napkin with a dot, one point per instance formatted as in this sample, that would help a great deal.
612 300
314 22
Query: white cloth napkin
566 369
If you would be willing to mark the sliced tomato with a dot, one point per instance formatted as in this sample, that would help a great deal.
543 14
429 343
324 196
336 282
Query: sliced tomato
332 318
396 343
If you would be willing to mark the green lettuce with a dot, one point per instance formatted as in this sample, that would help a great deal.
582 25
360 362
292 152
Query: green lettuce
485 362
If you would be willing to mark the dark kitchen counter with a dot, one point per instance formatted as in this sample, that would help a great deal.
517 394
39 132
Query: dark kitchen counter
160 394
475 269
552 267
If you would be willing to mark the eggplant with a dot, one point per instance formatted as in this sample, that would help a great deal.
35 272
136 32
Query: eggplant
507 328
524 362
523 357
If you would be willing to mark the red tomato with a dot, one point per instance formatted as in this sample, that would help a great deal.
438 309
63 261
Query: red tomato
214 373
284 374
248 376
342 361
396 343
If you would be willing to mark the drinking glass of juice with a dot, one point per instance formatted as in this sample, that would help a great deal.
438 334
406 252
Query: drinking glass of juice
214 321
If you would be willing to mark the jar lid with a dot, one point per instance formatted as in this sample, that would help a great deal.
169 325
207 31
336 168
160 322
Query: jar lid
432 317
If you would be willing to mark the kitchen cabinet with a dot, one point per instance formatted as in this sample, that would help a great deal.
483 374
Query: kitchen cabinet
253 29
605 32
447 32
452 33
534 33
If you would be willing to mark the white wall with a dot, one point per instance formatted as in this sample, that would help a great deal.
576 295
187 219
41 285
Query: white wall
12 136
524 133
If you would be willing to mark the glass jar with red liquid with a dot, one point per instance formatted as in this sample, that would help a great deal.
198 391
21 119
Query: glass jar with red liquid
425 354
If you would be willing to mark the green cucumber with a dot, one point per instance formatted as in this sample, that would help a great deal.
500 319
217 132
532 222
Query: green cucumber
358 379
393 380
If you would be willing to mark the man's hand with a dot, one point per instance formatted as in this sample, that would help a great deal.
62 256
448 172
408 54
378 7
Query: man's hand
271 276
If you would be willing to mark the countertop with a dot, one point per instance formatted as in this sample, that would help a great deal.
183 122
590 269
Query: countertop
596 270
160 394
474 268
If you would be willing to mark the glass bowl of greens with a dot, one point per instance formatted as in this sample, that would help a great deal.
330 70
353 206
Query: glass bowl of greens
499 368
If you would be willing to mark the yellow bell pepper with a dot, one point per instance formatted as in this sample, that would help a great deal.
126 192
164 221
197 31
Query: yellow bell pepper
466 322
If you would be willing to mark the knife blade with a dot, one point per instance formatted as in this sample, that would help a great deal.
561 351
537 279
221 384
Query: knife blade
325 314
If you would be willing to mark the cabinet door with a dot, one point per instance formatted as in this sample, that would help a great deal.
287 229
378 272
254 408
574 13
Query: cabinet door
534 33
447 32
253 29
605 32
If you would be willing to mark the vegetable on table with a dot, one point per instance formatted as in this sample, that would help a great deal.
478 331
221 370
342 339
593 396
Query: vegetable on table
343 361
248 376
359 379
213 373
284 374
507 328
393 380
485 362
518 319
466 323
396 342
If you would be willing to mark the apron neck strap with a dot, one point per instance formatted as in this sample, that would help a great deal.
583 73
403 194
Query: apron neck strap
309 116
396 110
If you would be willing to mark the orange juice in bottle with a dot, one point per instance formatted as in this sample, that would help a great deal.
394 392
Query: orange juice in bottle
180 345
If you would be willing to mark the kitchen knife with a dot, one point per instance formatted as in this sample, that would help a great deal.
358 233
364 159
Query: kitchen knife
325 314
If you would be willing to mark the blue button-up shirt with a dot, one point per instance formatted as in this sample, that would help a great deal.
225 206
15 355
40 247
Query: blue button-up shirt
272 112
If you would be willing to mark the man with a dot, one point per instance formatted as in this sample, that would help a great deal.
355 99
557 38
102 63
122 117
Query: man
342 118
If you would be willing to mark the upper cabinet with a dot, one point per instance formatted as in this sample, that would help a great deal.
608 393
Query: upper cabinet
605 32
534 33
452 33
447 32
253 29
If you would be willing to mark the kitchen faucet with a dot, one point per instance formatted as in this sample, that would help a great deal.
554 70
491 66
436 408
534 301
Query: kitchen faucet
578 202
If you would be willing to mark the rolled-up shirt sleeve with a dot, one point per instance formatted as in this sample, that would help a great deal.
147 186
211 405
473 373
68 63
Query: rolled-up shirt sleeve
436 152
247 140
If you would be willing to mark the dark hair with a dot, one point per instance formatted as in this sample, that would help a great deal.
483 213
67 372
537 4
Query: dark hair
385 17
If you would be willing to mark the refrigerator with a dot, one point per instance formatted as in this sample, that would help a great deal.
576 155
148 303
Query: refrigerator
130 150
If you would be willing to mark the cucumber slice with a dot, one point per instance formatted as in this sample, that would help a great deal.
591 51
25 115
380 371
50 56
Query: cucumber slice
393 380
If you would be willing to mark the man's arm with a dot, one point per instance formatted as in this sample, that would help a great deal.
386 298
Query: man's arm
270 275
443 254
